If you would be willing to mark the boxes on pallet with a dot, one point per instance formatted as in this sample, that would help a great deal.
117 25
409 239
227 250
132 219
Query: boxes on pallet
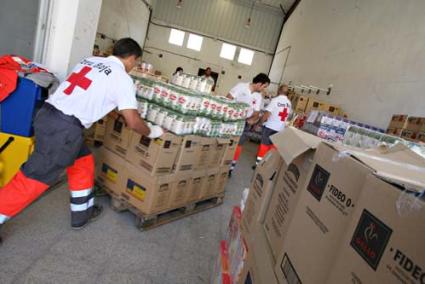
222 177
97 131
180 190
188 154
313 104
297 149
330 108
156 156
398 121
204 153
208 187
394 131
421 137
260 190
117 136
111 171
230 151
415 124
327 202
218 149
149 194
198 179
384 240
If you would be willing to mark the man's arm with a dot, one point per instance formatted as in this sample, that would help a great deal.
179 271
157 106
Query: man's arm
136 123
229 96
253 118
265 117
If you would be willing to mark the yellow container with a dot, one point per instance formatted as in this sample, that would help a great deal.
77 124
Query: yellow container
16 150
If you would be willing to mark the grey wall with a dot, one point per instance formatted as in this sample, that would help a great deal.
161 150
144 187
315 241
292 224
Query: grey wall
18 23
373 51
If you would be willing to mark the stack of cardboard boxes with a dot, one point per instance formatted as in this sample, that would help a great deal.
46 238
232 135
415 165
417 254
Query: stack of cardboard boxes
96 133
326 213
156 175
408 127
305 104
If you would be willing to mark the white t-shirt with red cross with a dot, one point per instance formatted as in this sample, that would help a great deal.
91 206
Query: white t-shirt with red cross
96 86
280 108
242 94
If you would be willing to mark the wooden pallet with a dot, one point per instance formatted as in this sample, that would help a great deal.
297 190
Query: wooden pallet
149 221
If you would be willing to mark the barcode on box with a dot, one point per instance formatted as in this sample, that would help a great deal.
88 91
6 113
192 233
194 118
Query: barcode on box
289 271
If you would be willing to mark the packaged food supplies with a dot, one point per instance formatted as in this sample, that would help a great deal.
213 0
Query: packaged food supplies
152 112
160 117
142 107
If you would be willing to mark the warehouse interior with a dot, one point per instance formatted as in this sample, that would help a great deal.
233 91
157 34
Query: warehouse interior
353 72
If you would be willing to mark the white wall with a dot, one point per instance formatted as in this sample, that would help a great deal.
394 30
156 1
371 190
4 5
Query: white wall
191 61
71 34
124 18
373 52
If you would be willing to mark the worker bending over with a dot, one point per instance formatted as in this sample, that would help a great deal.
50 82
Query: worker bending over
95 87
274 118
249 93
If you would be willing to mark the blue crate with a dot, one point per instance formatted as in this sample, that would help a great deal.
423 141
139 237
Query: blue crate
19 108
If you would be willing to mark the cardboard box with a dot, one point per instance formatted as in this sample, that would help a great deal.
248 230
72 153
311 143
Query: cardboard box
421 137
117 136
385 239
230 151
330 108
326 204
260 191
395 131
198 180
110 171
415 124
147 193
218 149
208 188
222 178
97 131
398 121
204 153
188 155
409 135
313 104
299 103
180 191
156 156
297 149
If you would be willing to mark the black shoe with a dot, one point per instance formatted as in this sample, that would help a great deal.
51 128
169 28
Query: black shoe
96 212
230 173
254 167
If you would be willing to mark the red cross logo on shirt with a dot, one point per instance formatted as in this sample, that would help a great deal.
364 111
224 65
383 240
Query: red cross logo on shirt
78 79
283 114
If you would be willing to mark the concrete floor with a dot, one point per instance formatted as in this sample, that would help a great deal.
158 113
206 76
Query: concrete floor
40 247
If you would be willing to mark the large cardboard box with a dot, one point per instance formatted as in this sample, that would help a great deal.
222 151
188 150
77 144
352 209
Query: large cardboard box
409 135
230 151
222 178
110 171
297 149
398 121
313 104
156 156
327 202
415 124
117 136
180 191
188 155
421 137
330 108
218 149
205 153
395 131
299 103
208 188
384 242
260 191
198 180
149 194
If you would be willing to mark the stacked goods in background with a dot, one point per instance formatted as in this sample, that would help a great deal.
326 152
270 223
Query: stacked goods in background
320 212
304 104
158 175
185 111
96 133
408 127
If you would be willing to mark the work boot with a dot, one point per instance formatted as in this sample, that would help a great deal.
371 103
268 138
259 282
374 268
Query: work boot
96 212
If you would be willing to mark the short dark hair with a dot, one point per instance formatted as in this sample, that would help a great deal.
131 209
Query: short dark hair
208 68
126 47
178 69
261 78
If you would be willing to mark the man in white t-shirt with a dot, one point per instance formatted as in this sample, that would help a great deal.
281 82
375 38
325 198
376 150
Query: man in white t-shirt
249 93
95 87
274 118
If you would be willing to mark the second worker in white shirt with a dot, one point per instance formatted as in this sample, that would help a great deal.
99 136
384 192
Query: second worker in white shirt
249 93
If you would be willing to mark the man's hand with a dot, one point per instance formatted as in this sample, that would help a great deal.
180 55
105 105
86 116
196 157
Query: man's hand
229 96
